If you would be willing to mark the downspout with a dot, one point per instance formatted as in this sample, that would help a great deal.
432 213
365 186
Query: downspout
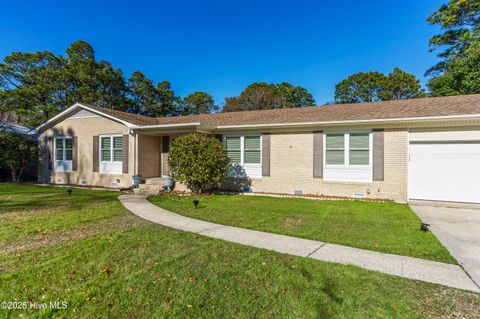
135 146
135 150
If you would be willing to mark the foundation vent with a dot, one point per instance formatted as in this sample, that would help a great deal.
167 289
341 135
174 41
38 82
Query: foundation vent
83 182
298 191
359 195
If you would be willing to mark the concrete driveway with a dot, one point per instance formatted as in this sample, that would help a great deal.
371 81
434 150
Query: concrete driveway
458 229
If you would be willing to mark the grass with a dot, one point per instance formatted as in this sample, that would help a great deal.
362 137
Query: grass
148 271
385 227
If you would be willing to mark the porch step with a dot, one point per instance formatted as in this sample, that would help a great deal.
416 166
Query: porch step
154 181
146 191
152 186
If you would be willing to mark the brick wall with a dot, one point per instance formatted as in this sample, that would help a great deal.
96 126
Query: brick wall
292 168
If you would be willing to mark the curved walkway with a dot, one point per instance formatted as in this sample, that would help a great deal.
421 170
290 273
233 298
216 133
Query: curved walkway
402 266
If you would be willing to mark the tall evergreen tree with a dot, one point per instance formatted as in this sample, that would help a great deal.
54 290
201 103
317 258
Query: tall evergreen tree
197 103
458 72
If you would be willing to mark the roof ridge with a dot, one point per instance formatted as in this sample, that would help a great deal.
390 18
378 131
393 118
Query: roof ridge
409 108
356 104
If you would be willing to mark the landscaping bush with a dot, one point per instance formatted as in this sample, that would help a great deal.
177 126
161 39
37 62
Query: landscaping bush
198 160
17 152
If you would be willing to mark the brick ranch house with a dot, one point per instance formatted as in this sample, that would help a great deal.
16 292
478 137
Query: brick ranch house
425 148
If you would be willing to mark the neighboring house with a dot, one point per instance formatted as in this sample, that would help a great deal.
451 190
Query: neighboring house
412 149
15 128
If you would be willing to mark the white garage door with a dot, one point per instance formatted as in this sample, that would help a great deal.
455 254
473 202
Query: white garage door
445 172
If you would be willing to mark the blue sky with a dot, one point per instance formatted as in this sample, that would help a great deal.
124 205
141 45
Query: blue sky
221 46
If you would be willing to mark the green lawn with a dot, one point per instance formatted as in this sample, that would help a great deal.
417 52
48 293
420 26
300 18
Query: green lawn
131 268
385 227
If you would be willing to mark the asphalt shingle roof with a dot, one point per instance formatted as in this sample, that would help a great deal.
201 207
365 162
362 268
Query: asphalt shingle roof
424 107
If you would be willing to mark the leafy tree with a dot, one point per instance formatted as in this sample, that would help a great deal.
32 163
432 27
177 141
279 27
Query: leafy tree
36 86
197 103
198 160
17 153
264 96
256 96
360 87
150 100
294 96
462 76
459 20
400 85
375 86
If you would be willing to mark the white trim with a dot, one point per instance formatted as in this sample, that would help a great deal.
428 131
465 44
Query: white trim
347 172
404 119
253 170
63 165
109 167
81 117
137 127
75 106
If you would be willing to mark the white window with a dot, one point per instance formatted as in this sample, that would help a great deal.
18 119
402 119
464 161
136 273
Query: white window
111 154
63 153
246 151
348 157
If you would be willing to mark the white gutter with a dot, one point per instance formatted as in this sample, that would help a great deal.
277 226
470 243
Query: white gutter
139 127
199 126
393 120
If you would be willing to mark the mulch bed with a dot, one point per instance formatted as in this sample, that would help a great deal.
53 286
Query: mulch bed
305 196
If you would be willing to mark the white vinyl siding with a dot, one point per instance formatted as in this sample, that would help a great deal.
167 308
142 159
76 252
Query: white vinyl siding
63 154
111 154
348 157
245 151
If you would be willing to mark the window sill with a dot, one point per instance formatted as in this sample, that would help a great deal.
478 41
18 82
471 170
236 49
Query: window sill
347 182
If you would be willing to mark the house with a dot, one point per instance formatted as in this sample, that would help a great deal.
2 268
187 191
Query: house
18 129
425 148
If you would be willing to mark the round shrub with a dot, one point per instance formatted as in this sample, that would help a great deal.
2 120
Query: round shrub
198 161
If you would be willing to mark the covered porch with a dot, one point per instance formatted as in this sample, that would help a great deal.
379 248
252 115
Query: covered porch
150 154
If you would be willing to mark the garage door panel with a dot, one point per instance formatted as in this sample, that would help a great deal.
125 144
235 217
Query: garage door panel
449 172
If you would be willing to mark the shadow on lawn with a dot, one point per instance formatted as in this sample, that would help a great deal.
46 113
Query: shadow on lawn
78 199
326 306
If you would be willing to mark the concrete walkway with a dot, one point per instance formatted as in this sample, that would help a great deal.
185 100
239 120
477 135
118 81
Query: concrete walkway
407 267
458 229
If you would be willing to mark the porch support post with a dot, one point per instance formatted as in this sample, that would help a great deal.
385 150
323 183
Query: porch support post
165 149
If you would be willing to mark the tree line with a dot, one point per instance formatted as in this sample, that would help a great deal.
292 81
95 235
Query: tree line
36 86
